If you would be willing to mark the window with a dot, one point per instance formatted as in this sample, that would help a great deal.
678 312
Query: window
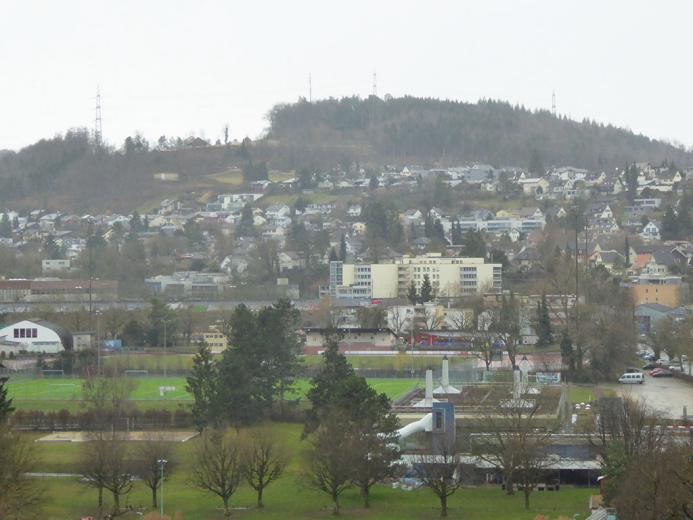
34 333
22 333
16 333
439 420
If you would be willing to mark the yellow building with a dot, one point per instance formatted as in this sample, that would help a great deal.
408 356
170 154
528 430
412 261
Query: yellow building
450 277
660 289
215 340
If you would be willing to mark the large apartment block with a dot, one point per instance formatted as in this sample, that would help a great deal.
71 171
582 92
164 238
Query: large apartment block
450 277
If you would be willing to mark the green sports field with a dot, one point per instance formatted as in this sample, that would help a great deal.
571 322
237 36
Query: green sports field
66 392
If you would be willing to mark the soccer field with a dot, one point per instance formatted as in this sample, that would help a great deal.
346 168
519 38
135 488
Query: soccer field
147 388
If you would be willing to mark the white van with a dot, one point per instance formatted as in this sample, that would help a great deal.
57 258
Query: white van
631 378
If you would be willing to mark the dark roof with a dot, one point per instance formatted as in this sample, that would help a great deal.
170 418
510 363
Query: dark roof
64 334
350 330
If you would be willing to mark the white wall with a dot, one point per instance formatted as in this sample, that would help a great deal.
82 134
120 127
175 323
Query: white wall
46 340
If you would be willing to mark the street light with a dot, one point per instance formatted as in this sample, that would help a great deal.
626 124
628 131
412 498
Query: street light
164 347
162 462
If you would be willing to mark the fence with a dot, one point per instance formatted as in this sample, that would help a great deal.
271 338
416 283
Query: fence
64 420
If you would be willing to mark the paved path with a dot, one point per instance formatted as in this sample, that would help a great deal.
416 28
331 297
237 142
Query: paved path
666 394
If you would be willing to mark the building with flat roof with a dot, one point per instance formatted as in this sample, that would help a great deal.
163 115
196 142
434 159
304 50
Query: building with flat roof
54 290
450 277
656 288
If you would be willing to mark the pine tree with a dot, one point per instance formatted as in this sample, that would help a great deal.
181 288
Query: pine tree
544 333
412 294
202 384
426 293
627 252
326 383
567 356
342 249
6 407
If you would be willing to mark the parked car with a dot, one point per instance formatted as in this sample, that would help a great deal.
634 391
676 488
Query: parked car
649 366
631 378
661 372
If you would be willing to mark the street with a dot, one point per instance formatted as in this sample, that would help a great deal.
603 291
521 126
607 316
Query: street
667 395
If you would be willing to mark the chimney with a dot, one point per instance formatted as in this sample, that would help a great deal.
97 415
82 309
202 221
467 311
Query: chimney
445 378
428 397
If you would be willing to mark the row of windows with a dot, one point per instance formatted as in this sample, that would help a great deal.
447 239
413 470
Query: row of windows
25 333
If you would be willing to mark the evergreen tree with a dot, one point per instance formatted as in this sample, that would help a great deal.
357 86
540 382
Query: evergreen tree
544 333
245 388
342 248
670 228
246 226
325 385
567 356
474 245
202 384
6 407
135 222
426 294
5 226
626 246
333 255
412 294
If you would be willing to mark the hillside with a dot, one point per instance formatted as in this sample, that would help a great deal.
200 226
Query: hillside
69 173
430 131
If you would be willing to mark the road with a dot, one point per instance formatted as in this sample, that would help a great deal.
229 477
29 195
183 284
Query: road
665 394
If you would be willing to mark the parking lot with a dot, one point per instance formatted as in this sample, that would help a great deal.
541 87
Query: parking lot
668 395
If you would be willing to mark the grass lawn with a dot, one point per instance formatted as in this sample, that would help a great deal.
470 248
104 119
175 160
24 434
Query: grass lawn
52 394
291 498
581 394
398 362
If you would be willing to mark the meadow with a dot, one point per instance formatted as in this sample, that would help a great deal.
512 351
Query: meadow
55 393
290 497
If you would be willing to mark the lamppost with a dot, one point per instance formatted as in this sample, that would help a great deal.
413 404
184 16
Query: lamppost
98 342
162 462
164 347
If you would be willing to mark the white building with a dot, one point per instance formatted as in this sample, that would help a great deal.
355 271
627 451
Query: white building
49 266
34 336
450 277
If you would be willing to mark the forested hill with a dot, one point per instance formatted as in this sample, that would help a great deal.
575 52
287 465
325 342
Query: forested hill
417 130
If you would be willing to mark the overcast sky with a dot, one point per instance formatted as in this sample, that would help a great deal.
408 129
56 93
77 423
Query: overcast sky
180 68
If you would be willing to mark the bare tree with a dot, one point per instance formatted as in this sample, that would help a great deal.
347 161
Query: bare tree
148 455
506 325
217 465
104 465
374 452
108 399
657 485
441 474
329 461
515 444
397 318
432 319
119 471
20 496
264 460
93 464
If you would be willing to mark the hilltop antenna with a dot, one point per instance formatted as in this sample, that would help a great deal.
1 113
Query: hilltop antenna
97 119
553 103
375 85
310 88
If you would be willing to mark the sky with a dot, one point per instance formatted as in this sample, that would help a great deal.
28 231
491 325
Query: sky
189 68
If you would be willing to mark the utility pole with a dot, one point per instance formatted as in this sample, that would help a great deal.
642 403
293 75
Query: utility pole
162 462
98 137
164 347
553 103
310 88
90 244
